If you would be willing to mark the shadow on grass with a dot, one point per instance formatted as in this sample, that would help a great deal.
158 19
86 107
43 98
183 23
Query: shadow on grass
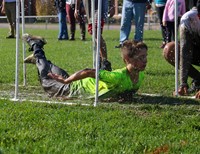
164 73
166 100
161 100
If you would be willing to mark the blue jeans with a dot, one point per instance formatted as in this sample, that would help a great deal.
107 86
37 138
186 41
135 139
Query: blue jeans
132 10
63 33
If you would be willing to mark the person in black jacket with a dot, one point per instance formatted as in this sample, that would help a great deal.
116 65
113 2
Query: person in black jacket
60 6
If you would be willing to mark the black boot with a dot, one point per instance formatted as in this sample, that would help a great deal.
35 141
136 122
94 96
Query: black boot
106 65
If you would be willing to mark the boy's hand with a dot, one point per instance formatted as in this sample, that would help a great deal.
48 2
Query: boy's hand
182 91
197 95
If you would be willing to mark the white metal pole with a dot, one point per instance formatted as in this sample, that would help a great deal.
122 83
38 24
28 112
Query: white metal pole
23 43
93 31
97 51
176 47
17 51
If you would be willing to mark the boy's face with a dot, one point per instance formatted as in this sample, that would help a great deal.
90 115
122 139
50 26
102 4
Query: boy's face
139 61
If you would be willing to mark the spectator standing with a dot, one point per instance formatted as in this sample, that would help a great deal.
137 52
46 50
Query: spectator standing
169 17
60 6
70 8
133 9
9 8
160 6
105 64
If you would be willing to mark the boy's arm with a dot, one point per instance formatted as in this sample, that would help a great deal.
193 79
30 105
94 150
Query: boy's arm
74 77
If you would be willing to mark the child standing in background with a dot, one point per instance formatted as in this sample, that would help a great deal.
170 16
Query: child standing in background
70 8
169 17
160 6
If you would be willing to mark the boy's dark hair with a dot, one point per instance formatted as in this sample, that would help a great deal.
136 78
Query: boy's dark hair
130 48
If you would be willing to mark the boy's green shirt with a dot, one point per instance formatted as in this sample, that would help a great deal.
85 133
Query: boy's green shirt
110 84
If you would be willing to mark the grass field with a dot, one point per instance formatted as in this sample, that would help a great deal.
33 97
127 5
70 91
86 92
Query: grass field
147 124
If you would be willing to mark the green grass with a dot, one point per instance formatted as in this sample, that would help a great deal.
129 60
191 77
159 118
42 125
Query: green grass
110 128
161 124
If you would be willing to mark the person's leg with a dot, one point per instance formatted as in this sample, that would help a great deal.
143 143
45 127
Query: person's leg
83 28
139 12
127 16
60 25
193 72
172 31
169 28
82 22
11 18
45 66
104 63
71 20
103 48
57 70
51 86
160 11
64 26
186 53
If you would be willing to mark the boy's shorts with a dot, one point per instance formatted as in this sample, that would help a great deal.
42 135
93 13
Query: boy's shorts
90 27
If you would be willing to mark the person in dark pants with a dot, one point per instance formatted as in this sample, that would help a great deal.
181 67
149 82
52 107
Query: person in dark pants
160 6
9 8
58 83
70 8
63 32
169 17
189 51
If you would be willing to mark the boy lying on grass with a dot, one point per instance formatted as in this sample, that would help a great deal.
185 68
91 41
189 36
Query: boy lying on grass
58 83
